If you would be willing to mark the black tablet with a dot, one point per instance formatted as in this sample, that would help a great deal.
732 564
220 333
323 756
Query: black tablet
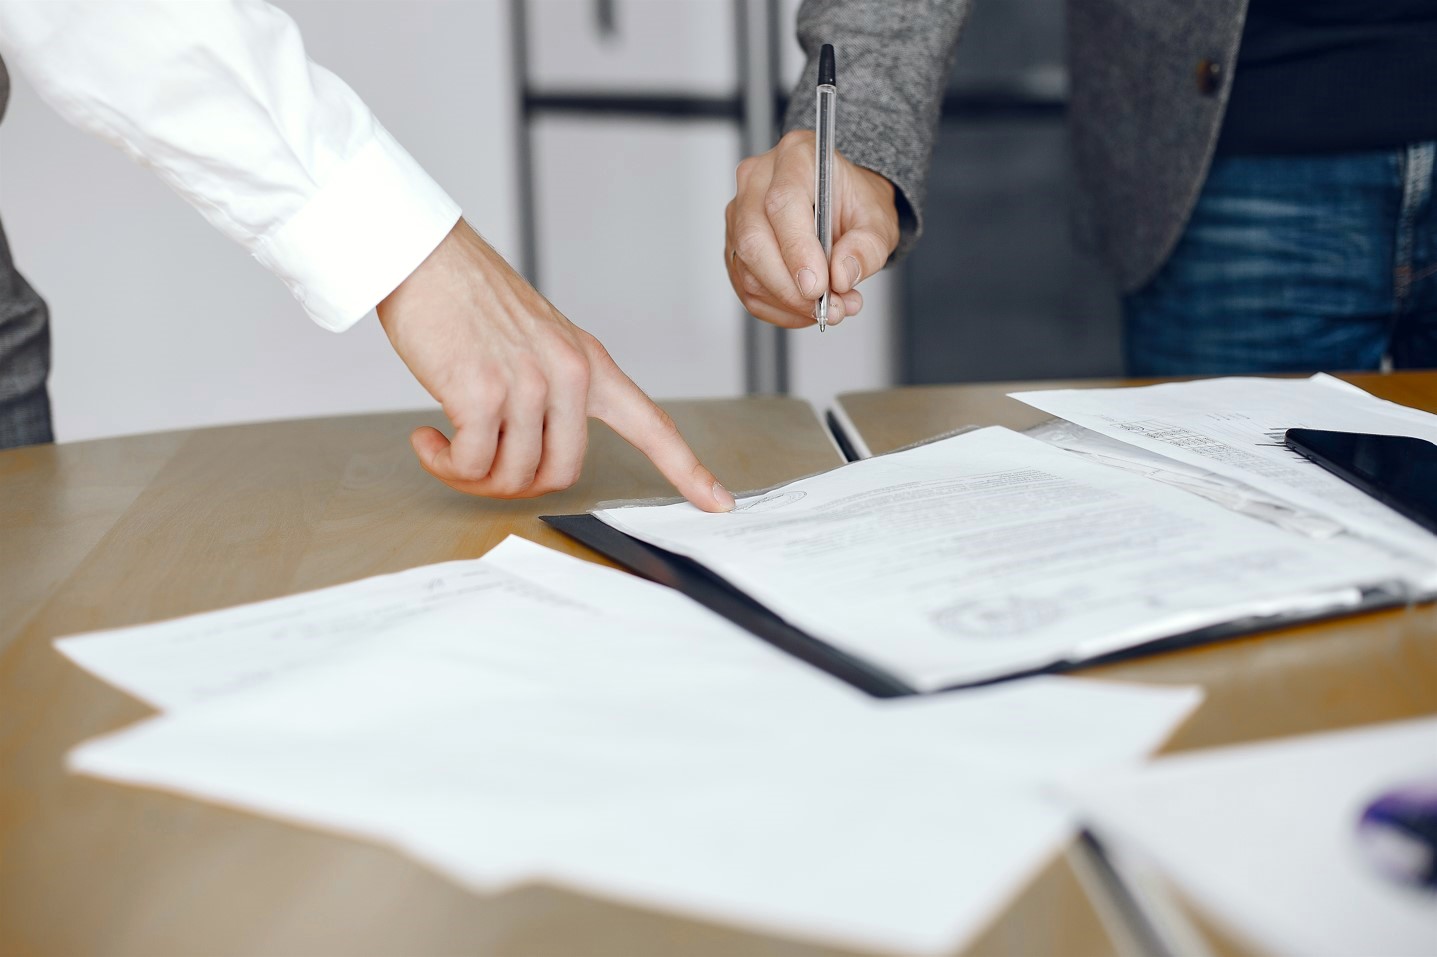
1400 471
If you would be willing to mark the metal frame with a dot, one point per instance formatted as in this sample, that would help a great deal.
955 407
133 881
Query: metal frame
757 107
754 107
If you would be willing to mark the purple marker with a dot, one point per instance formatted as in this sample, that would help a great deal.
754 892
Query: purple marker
1398 834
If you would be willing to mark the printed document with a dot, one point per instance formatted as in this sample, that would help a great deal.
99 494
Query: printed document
630 749
1263 837
989 554
1227 492
188 660
1235 427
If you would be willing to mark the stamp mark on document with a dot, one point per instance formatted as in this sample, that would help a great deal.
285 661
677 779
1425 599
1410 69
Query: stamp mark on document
1001 616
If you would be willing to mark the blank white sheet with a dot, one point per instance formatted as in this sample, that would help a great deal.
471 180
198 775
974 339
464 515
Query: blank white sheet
1262 837
185 661
690 769
714 782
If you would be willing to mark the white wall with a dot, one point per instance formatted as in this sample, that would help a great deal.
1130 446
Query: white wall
161 323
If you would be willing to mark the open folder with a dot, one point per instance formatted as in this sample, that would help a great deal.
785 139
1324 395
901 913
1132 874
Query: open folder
988 556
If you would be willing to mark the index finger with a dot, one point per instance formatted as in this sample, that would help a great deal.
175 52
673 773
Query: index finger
616 401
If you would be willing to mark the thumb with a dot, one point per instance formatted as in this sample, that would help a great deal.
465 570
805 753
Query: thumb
859 252
616 401
867 230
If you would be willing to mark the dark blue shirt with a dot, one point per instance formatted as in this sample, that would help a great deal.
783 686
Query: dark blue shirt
1333 76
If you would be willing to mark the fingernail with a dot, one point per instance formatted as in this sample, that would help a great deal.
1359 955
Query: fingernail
855 271
724 497
807 281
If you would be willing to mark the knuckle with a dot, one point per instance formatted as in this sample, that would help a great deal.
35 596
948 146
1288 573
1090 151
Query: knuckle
529 381
750 244
572 367
746 168
598 357
484 394
511 486
469 471
555 478
663 425
766 309
796 138
569 475
778 199
750 284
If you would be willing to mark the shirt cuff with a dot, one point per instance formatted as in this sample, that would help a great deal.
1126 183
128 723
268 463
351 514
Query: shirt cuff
361 234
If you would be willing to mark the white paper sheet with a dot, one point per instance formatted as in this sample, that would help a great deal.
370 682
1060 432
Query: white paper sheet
1219 489
1235 426
990 553
713 778
188 660
1263 838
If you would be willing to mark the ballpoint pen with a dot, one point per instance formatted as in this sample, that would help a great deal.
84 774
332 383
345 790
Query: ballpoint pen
823 166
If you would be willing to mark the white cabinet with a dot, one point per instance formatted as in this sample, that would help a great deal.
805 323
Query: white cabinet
632 46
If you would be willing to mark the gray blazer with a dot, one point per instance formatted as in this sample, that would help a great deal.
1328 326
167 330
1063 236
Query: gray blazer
24 345
1149 82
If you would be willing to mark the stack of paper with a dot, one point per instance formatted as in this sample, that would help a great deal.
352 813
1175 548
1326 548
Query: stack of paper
1234 427
1264 838
533 717
1230 493
990 554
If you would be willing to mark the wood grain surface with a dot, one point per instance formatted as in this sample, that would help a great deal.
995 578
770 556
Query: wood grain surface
121 531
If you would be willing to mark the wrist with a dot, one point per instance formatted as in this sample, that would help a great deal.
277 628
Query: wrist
881 185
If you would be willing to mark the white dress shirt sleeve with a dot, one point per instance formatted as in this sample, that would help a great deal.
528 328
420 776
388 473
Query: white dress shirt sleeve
219 99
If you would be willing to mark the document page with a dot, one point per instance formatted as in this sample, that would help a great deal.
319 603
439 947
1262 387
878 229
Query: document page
990 553
188 660
713 778
1235 426
1228 492
1264 838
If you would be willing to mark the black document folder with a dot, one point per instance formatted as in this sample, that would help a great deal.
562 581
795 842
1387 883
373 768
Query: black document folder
713 592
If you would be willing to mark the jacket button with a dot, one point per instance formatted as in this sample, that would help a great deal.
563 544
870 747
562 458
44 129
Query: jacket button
1209 76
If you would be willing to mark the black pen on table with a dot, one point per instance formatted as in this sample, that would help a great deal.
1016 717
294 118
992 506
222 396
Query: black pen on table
823 166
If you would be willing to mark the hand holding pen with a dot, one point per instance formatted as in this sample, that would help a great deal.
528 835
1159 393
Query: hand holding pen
775 261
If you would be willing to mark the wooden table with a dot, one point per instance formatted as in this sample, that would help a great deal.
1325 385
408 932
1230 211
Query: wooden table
115 532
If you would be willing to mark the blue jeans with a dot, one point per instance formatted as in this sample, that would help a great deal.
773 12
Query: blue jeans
1295 264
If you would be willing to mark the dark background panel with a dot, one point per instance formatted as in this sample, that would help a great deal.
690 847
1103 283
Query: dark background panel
997 289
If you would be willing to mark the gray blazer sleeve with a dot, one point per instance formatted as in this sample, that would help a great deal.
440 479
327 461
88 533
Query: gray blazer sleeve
894 57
